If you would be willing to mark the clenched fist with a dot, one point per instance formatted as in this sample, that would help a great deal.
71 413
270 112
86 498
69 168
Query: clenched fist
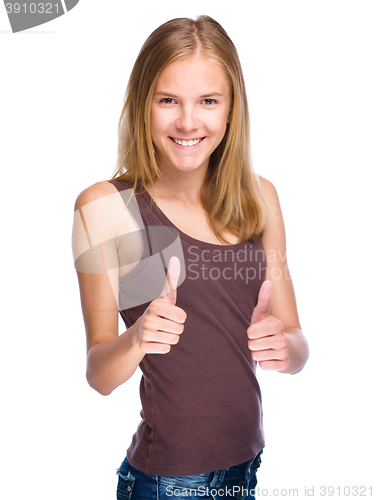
162 323
267 338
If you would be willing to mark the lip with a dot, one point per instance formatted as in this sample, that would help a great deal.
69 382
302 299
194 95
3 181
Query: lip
185 139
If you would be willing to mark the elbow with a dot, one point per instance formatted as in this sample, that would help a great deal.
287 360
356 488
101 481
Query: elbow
98 385
304 356
298 351
96 376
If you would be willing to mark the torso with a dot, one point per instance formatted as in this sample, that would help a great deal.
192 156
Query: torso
219 292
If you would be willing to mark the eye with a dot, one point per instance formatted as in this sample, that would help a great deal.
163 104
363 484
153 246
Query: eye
167 100
209 102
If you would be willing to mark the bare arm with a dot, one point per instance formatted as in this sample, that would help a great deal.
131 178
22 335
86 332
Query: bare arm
101 216
276 336
111 358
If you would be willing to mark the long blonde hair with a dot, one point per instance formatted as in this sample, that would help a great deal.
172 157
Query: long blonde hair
230 193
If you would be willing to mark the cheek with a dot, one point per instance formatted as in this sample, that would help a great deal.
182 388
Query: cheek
219 124
157 124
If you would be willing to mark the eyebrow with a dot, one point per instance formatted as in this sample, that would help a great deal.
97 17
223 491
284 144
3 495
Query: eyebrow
205 96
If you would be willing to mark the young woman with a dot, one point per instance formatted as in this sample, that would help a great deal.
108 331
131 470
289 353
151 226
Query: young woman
185 199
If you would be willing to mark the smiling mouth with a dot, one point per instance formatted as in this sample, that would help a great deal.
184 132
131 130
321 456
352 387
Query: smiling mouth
187 143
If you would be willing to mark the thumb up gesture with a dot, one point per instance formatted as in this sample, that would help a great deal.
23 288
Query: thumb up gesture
267 338
162 323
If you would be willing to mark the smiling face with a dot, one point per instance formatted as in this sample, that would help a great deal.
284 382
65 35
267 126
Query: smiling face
189 113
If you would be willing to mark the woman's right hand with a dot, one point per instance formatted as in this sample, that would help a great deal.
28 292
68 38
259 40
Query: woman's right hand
162 323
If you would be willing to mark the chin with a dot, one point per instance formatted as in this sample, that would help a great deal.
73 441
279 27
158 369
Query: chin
189 165
187 168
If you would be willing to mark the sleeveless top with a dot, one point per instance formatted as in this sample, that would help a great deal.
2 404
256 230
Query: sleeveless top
201 402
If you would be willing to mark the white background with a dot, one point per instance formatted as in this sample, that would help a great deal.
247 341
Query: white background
310 74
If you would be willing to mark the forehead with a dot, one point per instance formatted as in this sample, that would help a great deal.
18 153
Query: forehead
194 72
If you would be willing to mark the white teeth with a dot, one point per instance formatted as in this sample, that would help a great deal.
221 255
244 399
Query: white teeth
191 142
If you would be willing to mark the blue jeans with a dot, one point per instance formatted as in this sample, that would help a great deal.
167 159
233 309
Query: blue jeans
235 482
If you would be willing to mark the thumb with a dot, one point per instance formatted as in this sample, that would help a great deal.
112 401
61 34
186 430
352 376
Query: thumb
173 273
261 311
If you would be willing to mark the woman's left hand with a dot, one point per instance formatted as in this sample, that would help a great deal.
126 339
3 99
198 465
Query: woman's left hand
267 339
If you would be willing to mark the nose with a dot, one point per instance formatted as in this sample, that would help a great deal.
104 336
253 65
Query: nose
187 121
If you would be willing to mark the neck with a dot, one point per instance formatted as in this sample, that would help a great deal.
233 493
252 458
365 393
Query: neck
184 186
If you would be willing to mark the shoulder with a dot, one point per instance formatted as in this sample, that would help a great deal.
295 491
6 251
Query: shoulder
103 211
268 189
274 232
94 192
271 198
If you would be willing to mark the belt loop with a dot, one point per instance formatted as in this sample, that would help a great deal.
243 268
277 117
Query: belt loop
214 481
217 478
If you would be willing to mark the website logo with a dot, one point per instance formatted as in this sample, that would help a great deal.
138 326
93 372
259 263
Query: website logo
28 14
137 268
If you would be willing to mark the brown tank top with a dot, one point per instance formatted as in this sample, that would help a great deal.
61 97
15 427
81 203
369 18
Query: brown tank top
201 402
